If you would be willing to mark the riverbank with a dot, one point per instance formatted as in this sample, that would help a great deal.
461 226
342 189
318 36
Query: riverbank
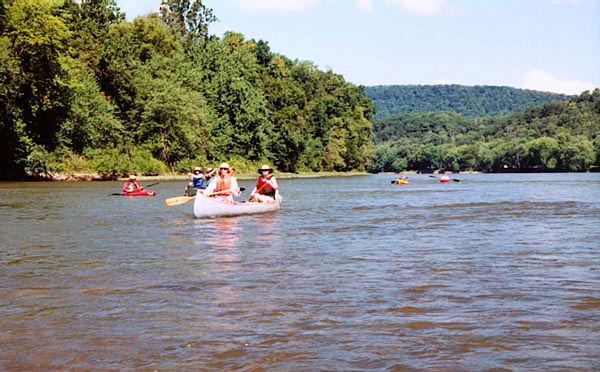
79 177
251 176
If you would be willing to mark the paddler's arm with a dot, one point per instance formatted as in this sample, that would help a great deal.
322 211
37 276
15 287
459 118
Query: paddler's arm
235 189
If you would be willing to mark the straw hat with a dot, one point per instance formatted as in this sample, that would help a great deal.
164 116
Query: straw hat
265 168
132 177
224 165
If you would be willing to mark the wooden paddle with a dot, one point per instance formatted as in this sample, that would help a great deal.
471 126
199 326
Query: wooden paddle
224 192
178 200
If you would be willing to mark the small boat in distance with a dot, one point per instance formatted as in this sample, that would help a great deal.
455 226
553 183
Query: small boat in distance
138 193
206 207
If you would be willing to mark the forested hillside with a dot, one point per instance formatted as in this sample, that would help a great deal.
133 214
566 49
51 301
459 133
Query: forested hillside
556 136
470 101
83 90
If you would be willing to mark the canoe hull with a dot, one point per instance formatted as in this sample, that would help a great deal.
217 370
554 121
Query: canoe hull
139 193
401 182
210 208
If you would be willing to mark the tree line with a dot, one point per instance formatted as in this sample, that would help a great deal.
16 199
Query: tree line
556 136
470 101
84 90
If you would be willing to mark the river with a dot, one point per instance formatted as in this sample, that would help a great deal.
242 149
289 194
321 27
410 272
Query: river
496 272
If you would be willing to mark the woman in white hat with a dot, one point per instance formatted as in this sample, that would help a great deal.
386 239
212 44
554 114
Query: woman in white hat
224 186
197 182
266 188
132 185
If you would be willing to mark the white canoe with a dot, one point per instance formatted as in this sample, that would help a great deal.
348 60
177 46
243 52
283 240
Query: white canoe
209 207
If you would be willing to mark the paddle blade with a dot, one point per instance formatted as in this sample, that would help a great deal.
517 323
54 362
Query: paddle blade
178 200
394 181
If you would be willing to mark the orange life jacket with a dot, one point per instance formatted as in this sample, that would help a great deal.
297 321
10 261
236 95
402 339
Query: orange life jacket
223 183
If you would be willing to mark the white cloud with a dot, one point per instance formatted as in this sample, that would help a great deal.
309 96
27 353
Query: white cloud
536 79
278 6
366 5
426 7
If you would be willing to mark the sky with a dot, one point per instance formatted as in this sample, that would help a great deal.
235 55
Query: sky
545 45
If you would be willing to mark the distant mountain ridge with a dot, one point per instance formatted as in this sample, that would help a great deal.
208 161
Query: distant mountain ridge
470 101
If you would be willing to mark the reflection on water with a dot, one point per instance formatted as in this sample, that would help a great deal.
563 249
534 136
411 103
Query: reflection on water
497 272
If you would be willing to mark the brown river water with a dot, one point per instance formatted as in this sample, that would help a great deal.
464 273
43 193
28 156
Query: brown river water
492 273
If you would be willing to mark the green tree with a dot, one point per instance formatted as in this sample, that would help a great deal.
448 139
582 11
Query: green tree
189 19
234 91
90 22
577 153
286 103
40 40
15 142
173 121
543 153
128 47
91 122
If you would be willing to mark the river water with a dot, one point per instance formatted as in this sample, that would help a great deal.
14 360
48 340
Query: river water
493 273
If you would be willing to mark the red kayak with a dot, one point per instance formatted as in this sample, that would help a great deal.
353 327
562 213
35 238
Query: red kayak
139 193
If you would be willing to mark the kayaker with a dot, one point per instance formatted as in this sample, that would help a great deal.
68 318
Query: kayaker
197 182
266 188
445 177
132 185
402 179
224 186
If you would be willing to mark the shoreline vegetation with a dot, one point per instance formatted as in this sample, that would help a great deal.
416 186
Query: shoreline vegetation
85 177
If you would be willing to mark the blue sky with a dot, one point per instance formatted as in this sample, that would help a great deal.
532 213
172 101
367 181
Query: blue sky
547 45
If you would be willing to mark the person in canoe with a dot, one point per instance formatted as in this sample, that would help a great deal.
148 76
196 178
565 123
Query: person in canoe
132 185
209 175
224 186
266 188
197 182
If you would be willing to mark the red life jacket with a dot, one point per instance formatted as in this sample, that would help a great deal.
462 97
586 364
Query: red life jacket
131 186
265 188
